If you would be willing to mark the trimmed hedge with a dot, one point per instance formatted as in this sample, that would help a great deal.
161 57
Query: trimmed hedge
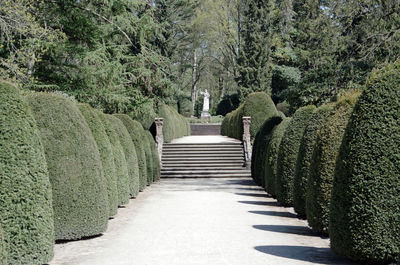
130 157
260 145
76 175
26 214
175 125
365 205
287 154
323 163
3 252
135 130
305 155
155 157
271 156
106 155
149 158
121 163
259 106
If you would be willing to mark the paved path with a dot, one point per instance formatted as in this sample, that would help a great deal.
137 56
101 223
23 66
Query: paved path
205 222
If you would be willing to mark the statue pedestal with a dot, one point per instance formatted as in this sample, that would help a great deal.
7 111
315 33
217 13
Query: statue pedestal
205 116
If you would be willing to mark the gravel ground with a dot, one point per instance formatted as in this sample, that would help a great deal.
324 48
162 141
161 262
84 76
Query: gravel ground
201 221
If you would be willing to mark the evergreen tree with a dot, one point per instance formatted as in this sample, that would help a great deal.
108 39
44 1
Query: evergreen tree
254 60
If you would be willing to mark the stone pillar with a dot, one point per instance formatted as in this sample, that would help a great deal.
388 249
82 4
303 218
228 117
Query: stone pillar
247 141
159 136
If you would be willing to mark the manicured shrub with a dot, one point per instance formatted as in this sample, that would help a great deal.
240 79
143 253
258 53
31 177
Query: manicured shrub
287 154
155 157
149 158
305 155
26 214
259 106
135 130
227 104
271 157
106 155
130 156
225 124
119 158
323 163
79 191
175 125
260 145
365 205
3 252
185 106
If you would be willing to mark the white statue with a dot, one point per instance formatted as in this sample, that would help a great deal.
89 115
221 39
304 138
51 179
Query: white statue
206 102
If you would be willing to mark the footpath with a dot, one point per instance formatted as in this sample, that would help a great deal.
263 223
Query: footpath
201 221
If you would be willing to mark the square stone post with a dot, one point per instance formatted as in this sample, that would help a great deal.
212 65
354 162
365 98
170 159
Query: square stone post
159 136
247 141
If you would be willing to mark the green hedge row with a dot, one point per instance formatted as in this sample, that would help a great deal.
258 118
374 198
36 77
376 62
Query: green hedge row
26 214
323 163
259 106
64 170
287 154
75 170
261 142
305 157
135 130
365 204
106 154
175 125
271 159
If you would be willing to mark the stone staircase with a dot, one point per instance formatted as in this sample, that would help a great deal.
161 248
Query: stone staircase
203 160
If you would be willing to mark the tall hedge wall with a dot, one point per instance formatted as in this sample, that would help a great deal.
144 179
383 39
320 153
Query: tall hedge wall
106 155
270 171
79 191
120 161
149 158
135 130
365 205
3 251
260 145
175 125
155 157
305 155
323 163
287 154
259 106
26 214
130 157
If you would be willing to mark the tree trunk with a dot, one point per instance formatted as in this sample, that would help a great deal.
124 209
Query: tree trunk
194 79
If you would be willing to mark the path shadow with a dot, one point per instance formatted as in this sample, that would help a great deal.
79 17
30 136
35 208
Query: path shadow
64 241
273 213
250 189
318 255
265 195
288 229
244 182
265 203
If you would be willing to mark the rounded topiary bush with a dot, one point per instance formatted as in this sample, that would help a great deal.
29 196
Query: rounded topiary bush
227 104
260 145
175 125
106 155
305 155
271 156
365 204
3 252
287 155
323 162
155 157
79 191
135 130
130 156
121 164
259 106
26 214
149 158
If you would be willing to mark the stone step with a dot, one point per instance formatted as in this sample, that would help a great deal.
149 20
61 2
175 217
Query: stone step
176 155
222 175
185 168
205 129
201 163
204 159
185 149
202 151
201 145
